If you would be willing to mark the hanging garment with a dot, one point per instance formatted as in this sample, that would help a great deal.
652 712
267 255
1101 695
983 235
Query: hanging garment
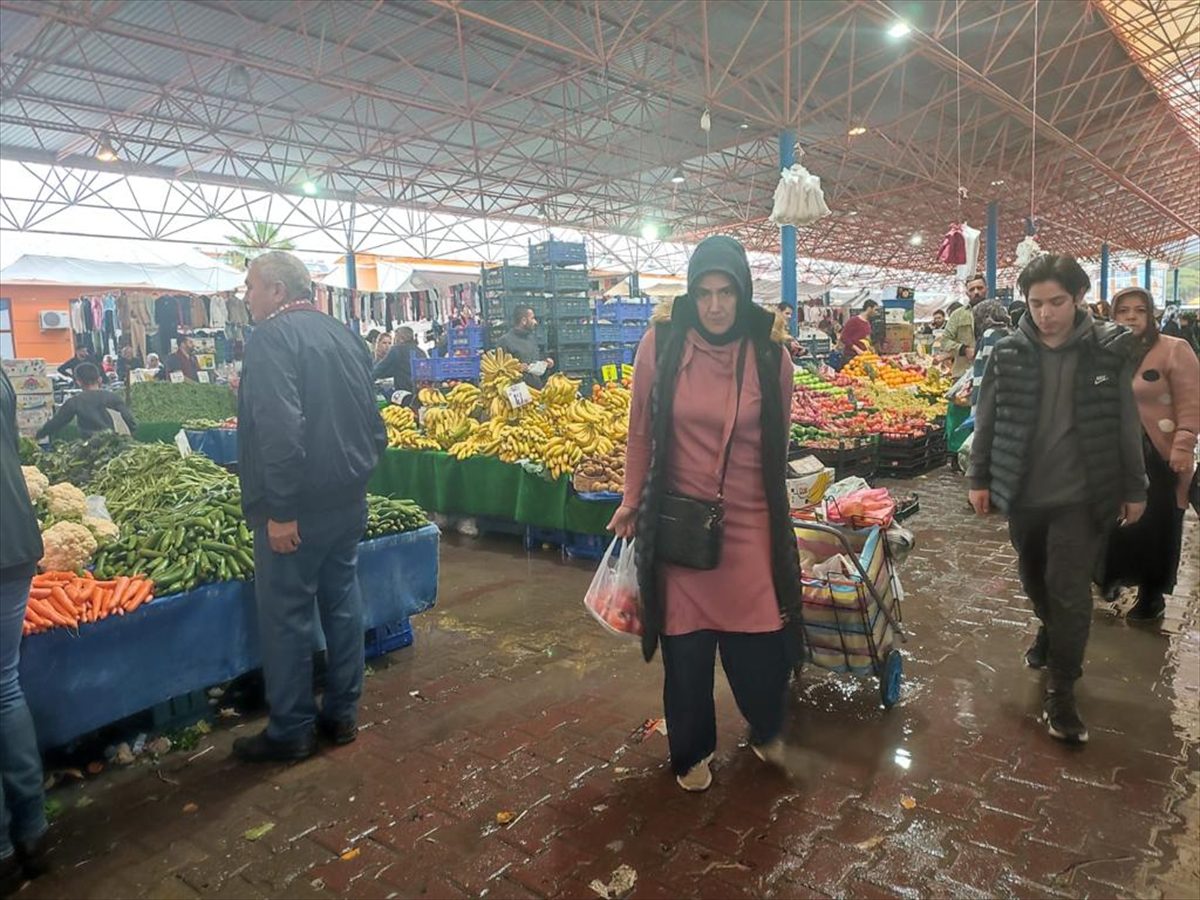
217 312
953 251
971 265
1027 251
166 314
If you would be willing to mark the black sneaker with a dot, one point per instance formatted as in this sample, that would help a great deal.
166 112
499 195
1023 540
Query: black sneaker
1062 718
338 733
11 875
1035 656
1150 606
263 748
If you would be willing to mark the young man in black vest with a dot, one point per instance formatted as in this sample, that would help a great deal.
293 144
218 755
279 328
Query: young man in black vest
1058 448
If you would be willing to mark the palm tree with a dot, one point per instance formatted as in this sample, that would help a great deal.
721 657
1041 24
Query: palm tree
252 240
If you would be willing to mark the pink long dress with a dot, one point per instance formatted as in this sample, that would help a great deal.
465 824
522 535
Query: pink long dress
739 595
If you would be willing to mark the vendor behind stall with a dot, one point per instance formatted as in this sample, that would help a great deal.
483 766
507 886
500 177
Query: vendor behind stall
83 354
184 360
94 408
397 364
521 341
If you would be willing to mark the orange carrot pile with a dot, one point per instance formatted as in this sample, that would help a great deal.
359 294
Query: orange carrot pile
67 600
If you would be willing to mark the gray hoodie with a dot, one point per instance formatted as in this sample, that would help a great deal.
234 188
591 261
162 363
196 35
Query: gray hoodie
1055 475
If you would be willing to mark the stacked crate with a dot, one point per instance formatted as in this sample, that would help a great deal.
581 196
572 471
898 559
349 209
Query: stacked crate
506 288
619 327
569 312
35 393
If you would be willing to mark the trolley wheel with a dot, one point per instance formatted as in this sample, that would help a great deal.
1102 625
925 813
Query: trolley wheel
889 679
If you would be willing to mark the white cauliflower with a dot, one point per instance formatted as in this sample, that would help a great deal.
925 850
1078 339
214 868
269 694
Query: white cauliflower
68 547
35 482
65 501
104 530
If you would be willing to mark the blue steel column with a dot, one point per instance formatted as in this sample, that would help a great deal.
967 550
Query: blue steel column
1104 271
1146 276
1175 285
351 271
787 234
993 238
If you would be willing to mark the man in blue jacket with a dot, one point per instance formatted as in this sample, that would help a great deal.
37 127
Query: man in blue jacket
309 436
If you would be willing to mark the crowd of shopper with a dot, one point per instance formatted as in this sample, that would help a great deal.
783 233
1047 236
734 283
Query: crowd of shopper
1085 438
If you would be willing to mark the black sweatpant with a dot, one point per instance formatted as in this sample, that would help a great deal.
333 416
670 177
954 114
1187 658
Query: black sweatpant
1057 549
757 666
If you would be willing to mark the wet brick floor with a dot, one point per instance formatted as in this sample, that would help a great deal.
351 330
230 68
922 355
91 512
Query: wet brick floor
513 701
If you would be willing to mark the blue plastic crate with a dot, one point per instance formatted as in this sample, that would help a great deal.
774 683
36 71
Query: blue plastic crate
539 305
514 278
607 334
558 253
617 356
388 637
469 338
632 333
626 311
575 333
450 368
567 280
570 307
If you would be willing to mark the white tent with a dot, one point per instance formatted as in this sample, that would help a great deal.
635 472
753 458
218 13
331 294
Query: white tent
200 276
396 278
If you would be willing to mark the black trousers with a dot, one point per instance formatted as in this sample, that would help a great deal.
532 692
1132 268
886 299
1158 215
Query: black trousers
757 666
1057 549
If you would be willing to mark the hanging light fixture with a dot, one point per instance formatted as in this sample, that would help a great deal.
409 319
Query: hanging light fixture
105 151
917 239
650 231
239 81
309 187
857 130
678 177
899 30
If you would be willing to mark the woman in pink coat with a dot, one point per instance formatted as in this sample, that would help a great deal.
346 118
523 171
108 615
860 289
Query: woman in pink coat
694 425
1167 389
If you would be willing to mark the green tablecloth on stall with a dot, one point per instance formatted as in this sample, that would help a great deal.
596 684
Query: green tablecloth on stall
485 486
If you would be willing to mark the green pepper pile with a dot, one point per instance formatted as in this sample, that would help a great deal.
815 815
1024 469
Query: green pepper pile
197 543
167 401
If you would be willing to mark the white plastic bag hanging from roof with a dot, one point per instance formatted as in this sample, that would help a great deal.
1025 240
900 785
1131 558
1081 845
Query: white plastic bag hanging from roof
799 199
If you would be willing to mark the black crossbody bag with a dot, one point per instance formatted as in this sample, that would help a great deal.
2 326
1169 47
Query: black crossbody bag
690 530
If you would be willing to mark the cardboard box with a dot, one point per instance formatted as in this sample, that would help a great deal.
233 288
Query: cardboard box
807 480
32 384
35 401
899 338
30 420
14 368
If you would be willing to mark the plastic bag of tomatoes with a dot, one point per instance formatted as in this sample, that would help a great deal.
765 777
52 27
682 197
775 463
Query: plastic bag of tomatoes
612 598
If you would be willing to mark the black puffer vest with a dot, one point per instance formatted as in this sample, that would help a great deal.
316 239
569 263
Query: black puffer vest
785 561
1017 368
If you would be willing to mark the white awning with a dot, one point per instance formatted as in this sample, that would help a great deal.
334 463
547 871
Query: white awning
184 277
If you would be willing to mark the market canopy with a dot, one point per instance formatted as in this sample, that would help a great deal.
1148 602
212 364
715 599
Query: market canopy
398 278
183 277
588 115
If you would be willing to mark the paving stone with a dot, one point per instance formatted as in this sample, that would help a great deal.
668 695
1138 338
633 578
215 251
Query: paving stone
955 791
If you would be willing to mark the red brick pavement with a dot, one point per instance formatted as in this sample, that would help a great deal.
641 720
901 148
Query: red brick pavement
512 701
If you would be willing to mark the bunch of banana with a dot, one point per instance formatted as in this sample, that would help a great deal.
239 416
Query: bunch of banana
410 439
613 396
431 397
559 390
448 426
464 397
560 456
587 413
498 366
400 417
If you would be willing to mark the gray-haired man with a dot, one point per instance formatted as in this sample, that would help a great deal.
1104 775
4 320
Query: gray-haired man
309 436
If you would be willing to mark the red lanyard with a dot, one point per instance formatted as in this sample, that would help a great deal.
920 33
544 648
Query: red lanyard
292 307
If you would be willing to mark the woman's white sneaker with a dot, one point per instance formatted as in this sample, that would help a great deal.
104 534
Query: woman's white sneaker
698 778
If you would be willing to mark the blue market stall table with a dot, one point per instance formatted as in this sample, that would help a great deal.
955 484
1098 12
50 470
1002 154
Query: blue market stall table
218 444
483 486
119 666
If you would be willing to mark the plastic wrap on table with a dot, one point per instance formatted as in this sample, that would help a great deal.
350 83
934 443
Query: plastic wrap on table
600 496
119 666
218 444
123 664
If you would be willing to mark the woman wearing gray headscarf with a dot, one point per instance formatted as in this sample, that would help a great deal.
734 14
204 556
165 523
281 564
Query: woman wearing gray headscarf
994 323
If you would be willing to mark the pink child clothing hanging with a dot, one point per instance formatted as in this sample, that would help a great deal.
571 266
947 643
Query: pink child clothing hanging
953 251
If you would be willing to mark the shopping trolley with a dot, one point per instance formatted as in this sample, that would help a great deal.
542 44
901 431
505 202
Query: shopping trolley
851 621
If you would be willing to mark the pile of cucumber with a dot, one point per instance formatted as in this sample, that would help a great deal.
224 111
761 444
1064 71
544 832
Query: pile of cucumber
388 516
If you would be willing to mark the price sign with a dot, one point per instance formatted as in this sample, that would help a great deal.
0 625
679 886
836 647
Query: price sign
608 373
203 378
176 377
626 370
181 443
518 395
